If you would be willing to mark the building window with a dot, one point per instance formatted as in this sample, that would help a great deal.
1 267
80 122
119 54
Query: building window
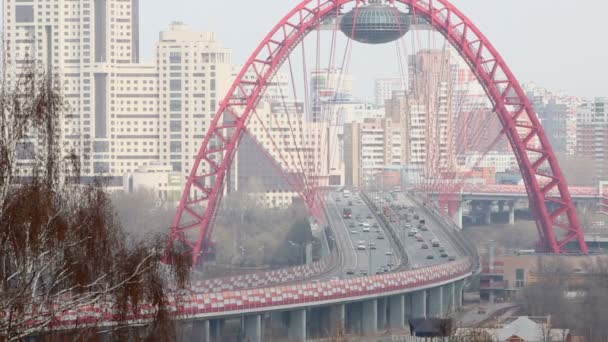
519 278
175 57
175 126
175 105
176 147
24 14
175 85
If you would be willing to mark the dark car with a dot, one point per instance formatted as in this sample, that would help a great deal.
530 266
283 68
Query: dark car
424 246
452 258
369 216
350 272
380 237
444 255
430 256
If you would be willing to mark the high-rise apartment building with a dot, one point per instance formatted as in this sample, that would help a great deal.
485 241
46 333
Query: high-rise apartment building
89 49
120 114
194 71
592 133
385 87
370 148
328 88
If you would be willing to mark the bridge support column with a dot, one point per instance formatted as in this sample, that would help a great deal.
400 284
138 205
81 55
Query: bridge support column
370 317
253 328
487 214
337 319
216 327
435 299
512 213
459 293
396 312
382 307
449 300
418 300
296 329
201 331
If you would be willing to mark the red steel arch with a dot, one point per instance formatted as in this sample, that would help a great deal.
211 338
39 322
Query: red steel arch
548 193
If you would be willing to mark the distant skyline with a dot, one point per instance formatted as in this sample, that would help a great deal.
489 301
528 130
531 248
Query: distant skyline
555 43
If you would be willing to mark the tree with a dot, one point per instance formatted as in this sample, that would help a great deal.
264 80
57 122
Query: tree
61 245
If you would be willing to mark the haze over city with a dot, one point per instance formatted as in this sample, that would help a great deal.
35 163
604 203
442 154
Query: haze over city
303 170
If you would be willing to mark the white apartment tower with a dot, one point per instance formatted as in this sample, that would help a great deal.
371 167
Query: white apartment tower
385 87
89 48
194 74
121 114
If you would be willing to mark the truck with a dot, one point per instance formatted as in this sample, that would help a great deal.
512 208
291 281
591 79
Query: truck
347 213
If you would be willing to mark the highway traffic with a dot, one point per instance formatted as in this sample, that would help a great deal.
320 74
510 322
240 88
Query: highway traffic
422 235
366 246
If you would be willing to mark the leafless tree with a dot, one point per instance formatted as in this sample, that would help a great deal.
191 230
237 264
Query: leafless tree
61 245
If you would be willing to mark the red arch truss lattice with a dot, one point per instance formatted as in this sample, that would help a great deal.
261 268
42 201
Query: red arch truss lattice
556 216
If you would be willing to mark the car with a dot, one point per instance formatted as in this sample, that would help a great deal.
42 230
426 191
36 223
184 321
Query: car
414 230
350 203
380 237
424 246
417 235
361 247
411 233
389 253
354 231
352 224
430 256
441 250
372 246
338 199
363 272
390 264
416 217
424 228
378 272
350 272
361 223
334 279
369 216
435 242
375 225
419 239
452 258
444 255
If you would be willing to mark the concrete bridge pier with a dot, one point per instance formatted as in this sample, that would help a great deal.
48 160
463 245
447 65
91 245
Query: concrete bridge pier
216 329
435 302
354 318
459 289
201 331
449 300
382 313
512 213
253 328
419 304
336 319
296 328
396 312
369 317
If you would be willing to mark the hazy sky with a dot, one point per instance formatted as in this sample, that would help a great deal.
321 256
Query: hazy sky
558 44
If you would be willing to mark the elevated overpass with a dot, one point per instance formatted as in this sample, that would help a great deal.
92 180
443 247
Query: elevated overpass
317 300
480 201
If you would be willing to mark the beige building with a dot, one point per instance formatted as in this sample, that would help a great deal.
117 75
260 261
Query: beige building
369 148
194 73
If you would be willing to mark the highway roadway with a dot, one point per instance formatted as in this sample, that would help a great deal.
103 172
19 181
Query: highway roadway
407 215
379 252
